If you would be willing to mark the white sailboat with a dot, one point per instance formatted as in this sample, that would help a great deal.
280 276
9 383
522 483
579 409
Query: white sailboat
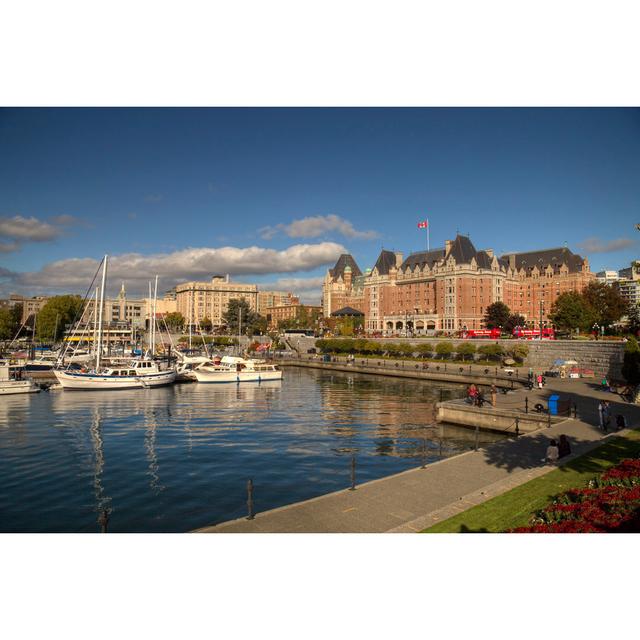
134 374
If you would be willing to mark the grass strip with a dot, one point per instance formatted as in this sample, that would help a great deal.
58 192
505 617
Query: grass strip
515 507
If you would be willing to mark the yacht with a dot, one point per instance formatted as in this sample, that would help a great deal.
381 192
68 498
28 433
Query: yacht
132 375
11 380
236 369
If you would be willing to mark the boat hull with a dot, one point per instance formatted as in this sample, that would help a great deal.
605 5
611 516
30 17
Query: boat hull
12 387
91 382
236 376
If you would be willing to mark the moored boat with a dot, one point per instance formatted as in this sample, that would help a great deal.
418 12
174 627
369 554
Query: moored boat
11 381
236 369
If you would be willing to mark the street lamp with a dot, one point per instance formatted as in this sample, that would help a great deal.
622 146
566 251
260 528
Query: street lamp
541 311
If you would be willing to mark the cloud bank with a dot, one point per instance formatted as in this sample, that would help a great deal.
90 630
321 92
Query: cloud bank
75 274
315 226
595 245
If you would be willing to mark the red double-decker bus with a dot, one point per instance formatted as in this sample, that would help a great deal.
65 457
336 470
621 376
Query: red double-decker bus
534 334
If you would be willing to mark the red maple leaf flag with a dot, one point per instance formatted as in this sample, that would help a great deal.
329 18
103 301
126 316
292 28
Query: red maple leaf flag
423 224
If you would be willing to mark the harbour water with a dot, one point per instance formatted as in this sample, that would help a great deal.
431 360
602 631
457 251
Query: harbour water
177 458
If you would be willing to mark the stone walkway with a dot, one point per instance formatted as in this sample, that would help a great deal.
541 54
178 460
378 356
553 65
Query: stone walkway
415 499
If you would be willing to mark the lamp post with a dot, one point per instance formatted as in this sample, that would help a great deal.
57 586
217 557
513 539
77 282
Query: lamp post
541 312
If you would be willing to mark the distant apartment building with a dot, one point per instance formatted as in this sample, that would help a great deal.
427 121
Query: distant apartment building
268 299
629 283
607 277
199 300
30 306
449 288
297 311
343 286
121 310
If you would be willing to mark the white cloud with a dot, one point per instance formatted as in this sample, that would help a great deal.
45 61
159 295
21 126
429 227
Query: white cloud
154 197
136 270
315 226
18 230
595 245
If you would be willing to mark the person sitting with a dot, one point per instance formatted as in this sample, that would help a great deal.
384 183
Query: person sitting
472 394
480 399
552 454
564 448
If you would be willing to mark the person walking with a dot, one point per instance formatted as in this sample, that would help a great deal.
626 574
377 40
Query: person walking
539 380
603 415
494 395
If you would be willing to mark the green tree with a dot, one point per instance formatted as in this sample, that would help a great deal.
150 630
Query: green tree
58 312
239 312
606 303
205 324
10 322
444 349
174 320
466 349
570 311
633 318
496 315
425 350
491 351
514 320
631 362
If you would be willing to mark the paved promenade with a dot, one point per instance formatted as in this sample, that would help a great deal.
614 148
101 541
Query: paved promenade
415 499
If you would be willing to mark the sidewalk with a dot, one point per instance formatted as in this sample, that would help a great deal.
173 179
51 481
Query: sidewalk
414 499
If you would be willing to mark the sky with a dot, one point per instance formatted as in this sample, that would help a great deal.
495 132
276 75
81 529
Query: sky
275 195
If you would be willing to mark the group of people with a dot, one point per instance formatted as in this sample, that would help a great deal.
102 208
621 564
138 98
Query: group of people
476 397
557 450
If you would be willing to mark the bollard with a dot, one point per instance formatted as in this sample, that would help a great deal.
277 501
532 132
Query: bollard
512 384
250 515
496 372
526 405
477 436
517 427
441 447
548 421
353 473
445 366
103 520
424 453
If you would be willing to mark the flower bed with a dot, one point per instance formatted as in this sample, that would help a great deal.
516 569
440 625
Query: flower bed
610 503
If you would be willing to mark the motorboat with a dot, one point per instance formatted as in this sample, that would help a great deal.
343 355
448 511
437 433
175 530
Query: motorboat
132 375
236 369
11 381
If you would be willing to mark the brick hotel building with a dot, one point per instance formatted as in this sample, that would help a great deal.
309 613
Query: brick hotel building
449 289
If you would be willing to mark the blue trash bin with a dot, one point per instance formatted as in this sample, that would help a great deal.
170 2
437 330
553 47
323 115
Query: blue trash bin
553 405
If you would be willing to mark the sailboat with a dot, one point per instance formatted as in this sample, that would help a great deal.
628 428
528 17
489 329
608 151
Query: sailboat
132 375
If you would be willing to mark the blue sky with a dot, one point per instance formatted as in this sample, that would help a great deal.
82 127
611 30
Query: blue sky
274 195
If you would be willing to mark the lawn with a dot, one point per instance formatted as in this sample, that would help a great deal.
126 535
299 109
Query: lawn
514 508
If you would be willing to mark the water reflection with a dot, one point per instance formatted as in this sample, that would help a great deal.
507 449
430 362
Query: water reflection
175 458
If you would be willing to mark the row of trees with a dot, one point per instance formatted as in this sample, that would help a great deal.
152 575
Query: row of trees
597 303
443 350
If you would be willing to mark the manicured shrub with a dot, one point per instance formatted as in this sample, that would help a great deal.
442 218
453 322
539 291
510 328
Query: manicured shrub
466 350
444 350
491 351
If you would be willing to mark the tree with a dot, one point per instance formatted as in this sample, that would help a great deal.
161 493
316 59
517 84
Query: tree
496 315
444 349
606 303
239 315
465 349
631 362
491 351
174 320
206 324
514 320
10 322
633 318
58 312
570 311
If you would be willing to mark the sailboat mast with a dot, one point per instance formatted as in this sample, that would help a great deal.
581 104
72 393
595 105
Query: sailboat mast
239 329
104 280
153 332
95 323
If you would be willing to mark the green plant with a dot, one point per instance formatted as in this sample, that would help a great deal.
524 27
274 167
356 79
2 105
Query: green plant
466 349
491 351
444 349
631 362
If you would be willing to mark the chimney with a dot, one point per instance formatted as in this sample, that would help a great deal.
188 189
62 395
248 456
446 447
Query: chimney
398 259
512 261
227 278
447 246
489 252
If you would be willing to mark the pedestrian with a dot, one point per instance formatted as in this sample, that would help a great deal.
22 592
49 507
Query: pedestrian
552 454
607 415
472 393
603 415
539 380
564 448
494 395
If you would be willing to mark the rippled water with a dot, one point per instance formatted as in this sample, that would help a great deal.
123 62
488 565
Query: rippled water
177 458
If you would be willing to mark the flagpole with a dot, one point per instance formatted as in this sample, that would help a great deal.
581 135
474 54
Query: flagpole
428 248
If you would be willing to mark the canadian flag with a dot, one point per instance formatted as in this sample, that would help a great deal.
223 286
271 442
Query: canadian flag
423 224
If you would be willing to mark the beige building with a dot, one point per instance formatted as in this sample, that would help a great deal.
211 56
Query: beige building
267 299
277 314
198 300
30 306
